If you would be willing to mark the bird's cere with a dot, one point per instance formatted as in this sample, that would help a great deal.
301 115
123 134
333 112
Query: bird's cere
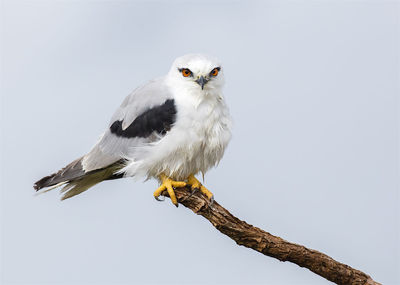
202 81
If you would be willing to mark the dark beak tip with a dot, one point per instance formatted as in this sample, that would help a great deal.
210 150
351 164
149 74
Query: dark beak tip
202 81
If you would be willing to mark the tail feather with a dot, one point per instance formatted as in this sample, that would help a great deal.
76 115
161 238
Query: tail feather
72 171
76 180
82 184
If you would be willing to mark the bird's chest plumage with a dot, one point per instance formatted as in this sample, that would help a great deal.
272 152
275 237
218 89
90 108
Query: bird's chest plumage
195 142
205 129
202 131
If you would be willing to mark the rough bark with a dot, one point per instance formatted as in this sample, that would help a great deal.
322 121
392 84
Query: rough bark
267 244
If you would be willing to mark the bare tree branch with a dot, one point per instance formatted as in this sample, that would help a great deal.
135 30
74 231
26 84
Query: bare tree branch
267 244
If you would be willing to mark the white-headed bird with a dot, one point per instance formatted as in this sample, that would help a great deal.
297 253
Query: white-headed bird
170 129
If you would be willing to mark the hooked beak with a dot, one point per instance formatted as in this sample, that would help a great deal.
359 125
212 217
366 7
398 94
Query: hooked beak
202 81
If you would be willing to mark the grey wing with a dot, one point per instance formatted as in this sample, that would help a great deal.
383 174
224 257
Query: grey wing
143 117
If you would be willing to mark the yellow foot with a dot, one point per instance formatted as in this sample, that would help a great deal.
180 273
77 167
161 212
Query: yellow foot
195 184
168 184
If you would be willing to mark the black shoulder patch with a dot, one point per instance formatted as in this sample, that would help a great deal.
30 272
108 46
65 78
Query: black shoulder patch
157 119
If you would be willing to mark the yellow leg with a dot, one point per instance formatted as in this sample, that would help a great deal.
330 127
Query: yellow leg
168 184
195 184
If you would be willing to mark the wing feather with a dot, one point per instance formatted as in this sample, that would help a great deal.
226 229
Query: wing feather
112 146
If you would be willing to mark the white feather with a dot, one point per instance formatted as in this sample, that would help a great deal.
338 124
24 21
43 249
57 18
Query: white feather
202 130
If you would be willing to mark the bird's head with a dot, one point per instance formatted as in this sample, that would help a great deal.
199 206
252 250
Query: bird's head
197 72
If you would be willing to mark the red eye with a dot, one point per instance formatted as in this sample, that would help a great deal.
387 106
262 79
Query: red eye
186 72
214 72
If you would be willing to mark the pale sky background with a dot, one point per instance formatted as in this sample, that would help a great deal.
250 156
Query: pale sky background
313 89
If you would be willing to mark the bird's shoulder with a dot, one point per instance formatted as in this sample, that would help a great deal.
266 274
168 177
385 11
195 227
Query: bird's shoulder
144 116
144 98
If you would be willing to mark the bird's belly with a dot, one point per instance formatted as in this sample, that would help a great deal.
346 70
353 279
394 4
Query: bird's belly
197 155
199 146
195 144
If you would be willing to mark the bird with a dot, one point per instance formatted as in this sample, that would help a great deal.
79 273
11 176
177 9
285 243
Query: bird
170 129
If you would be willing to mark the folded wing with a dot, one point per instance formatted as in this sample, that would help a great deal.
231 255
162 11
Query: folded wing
143 117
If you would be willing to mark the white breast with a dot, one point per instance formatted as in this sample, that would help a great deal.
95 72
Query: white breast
206 128
195 143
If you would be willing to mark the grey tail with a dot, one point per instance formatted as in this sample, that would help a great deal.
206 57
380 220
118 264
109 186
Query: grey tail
76 180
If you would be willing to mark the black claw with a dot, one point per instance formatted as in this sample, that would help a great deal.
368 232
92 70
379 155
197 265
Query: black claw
191 193
158 199
212 200
210 204
194 191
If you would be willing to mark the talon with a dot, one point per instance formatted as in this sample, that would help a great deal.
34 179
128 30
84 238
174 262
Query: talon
194 190
207 192
211 203
168 184
158 198
196 185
